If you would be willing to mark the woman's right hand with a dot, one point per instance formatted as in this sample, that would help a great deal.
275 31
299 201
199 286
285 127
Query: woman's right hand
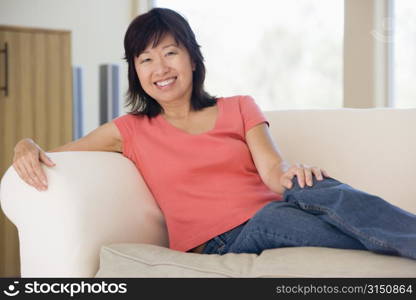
27 160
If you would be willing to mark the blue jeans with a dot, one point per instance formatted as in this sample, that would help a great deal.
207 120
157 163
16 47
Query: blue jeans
327 214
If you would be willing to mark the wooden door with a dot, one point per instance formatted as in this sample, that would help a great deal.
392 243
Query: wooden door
35 102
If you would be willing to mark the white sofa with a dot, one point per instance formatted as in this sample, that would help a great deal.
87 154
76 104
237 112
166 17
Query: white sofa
98 218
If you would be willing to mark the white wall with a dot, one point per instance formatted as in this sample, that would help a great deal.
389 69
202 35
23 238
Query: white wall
367 56
97 27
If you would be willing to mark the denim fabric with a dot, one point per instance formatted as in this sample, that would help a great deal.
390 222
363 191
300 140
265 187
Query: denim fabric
328 214
219 244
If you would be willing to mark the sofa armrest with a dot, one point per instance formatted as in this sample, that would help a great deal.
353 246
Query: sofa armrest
93 199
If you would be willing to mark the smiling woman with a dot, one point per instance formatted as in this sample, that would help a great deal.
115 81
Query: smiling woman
214 169
161 46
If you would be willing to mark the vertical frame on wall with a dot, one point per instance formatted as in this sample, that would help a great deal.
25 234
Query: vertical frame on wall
109 92
77 92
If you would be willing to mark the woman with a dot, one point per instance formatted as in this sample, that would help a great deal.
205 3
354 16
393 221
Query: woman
212 166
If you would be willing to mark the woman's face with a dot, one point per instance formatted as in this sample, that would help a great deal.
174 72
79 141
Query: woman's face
165 72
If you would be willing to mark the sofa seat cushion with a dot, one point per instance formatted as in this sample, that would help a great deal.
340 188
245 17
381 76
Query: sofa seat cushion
145 260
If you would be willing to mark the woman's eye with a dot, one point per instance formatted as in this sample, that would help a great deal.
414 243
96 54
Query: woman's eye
171 52
145 60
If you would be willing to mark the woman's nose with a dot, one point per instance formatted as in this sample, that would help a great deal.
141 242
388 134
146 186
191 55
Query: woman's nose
161 67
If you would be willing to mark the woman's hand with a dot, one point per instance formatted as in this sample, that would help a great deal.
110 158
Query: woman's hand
304 175
26 161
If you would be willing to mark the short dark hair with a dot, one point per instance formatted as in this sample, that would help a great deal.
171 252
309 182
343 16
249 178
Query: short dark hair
152 27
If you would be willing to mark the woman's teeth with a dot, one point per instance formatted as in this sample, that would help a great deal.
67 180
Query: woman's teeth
166 82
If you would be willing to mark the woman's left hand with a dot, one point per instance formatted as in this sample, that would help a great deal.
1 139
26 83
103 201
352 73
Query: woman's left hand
303 173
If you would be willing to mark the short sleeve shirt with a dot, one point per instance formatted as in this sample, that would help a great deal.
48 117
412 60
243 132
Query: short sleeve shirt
205 184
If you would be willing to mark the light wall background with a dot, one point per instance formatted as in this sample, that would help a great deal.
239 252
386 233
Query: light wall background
97 27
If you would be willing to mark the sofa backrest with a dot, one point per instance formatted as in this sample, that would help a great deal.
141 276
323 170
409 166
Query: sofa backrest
370 149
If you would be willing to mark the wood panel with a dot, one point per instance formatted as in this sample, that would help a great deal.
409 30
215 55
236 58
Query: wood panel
9 122
3 103
24 86
39 89
3 98
53 92
66 67
38 106
8 249
10 128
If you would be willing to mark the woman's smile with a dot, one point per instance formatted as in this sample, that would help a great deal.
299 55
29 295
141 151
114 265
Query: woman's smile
166 84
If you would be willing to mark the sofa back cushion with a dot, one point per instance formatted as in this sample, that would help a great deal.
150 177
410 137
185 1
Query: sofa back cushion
369 149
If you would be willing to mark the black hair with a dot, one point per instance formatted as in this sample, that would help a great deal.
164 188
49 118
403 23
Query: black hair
152 27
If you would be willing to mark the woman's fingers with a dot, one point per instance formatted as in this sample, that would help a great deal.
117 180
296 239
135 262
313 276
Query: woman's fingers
287 182
304 175
21 171
300 174
308 176
38 175
41 174
286 179
25 173
27 164
317 172
46 159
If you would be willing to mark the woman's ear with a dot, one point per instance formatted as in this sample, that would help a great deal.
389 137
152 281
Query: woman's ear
193 66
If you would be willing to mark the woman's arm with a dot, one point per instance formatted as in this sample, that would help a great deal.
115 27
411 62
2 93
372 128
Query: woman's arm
266 157
274 171
28 156
107 137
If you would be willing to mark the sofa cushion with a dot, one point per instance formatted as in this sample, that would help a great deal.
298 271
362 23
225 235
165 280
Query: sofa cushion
145 260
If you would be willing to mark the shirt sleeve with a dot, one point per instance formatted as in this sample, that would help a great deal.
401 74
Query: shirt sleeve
125 125
251 113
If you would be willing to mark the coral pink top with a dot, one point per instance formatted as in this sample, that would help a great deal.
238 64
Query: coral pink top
205 184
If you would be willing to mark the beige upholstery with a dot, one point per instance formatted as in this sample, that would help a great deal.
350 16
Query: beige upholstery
93 199
142 260
99 199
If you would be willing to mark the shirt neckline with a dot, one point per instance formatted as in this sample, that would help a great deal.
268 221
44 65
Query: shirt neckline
170 126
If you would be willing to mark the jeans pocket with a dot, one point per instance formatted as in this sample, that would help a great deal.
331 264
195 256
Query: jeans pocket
215 245
220 244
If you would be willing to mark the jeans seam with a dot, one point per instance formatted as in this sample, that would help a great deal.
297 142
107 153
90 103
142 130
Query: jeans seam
220 243
243 240
259 232
350 228
285 237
